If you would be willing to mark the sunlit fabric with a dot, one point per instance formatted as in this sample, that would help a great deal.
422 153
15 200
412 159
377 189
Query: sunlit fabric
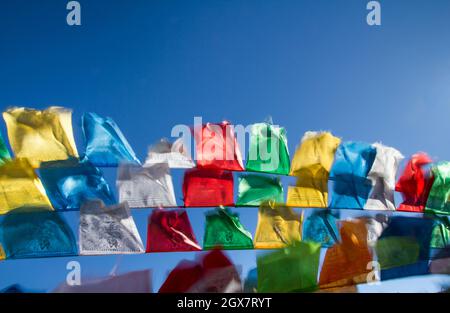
224 230
256 189
205 188
36 235
293 268
414 269
415 183
4 152
210 272
2 253
321 227
347 262
440 237
21 188
170 231
217 147
439 196
277 226
105 143
352 163
406 240
108 230
382 175
37 135
143 187
175 154
311 165
397 251
268 150
69 183
131 282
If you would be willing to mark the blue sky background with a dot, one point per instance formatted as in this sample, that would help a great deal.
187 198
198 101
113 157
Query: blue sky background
311 65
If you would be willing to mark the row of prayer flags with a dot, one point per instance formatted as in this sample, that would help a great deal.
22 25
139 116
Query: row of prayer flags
112 230
362 175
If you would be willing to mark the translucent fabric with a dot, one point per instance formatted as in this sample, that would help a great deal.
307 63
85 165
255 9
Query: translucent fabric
224 230
382 174
256 189
108 230
439 196
414 269
293 268
311 165
143 187
4 153
397 251
347 262
352 163
70 183
21 188
36 235
2 253
277 227
406 240
105 143
170 231
415 183
268 150
217 147
174 154
210 272
205 188
440 236
321 227
45 135
132 282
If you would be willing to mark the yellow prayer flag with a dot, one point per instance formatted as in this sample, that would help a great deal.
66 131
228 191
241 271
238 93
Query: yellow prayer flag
311 165
278 226
21 188
2 253
41 135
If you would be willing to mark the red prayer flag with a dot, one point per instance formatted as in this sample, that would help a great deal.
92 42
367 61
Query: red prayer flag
415 184
217 147
206 188
170 231
189 274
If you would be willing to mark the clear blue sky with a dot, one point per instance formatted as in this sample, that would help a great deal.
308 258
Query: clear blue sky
311 65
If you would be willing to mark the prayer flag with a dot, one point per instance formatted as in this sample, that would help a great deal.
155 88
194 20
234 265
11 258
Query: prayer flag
256 189
204 188
277 226
170 231
268 150
352 163
108 230
224 230
311 165
105 143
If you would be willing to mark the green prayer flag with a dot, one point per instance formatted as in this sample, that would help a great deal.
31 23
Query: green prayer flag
397 251
223 229
440 237
256 189
4 153
291 269
439 196
268 150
